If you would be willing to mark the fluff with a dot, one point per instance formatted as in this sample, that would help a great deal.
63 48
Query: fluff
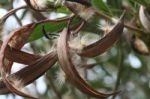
86 13
17 82
39 3
60 77
106 27
60 2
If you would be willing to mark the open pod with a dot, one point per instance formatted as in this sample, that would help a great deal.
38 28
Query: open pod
144 18
29 73
70 70
19 56
16 40
106 42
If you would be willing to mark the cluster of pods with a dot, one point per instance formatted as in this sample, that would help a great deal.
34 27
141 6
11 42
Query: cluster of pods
37 65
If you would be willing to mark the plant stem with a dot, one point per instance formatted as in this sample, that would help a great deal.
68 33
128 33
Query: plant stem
15 15
11 12
112 19
120 68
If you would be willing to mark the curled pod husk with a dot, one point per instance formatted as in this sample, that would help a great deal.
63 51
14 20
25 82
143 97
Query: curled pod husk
29 73
85 12
18 56
15 40
144 18
70 70
106 42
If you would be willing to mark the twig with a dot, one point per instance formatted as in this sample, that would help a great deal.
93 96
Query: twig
126 25
120 68
15 15
56 20
11 12
38 15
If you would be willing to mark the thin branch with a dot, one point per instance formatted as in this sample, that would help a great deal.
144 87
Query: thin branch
11 12
38 16
56 20
120 68
126 25
15 15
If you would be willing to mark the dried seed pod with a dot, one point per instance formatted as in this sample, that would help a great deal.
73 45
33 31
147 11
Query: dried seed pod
11 85
20 56
85 12
139 46
70 70
144 18
15 40
28 74
106 42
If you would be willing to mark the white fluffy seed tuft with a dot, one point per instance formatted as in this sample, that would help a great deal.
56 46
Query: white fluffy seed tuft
39 3
75 42
60 2
86 13
106 27
60 77
16 82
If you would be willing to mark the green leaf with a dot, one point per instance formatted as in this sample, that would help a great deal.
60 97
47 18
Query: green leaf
100 5
49 27
117 4
63 10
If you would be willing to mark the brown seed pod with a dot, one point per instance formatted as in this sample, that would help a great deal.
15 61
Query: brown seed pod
103 44
85 12
28 74
139 46
70 70
144 18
